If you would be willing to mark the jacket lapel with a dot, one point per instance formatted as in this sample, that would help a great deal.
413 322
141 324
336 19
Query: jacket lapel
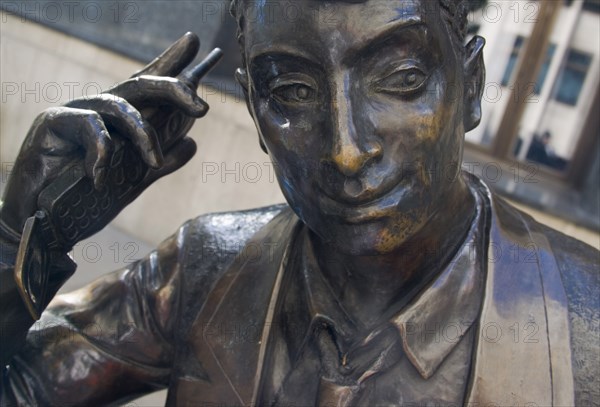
523 350
231 333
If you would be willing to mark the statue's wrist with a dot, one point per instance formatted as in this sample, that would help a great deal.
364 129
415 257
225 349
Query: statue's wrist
8 232
40 268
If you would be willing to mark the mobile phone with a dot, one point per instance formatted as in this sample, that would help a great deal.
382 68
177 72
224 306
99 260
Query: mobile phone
75 209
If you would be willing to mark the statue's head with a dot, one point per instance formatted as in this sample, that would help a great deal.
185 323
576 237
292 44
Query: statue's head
362 107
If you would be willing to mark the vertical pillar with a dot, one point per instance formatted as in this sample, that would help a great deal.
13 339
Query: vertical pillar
531 62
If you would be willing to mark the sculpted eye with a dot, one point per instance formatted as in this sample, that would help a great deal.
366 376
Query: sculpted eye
293 89
403 82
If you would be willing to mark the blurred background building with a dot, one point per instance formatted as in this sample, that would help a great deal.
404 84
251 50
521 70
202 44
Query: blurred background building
538 143
541 101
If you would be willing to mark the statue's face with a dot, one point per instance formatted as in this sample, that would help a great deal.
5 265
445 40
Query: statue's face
360 107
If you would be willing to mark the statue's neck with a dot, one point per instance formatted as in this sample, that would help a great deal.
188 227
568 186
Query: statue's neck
372 287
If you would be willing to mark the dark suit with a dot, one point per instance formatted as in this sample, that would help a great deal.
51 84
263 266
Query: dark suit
195 316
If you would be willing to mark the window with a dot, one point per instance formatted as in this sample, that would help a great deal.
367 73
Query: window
588 5
570 81
544 69
592 5
512 60
514 57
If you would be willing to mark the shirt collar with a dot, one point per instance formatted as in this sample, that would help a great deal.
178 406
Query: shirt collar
436 320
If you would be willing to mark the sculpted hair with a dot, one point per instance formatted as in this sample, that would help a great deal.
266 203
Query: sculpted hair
454 13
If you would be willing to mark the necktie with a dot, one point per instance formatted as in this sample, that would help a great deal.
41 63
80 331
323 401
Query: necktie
343 373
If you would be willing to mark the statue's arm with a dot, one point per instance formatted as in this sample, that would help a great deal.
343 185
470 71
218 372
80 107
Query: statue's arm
15 318
109 341
79 166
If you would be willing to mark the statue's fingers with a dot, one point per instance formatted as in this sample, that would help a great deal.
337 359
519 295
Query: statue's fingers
192 76
149 90
128 123
177 157
174 59
86 129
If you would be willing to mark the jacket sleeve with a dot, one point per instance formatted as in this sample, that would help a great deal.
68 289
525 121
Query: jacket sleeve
110 341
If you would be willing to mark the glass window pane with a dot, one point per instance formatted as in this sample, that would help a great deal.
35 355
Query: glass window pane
592 5
512 60
544 69
572 77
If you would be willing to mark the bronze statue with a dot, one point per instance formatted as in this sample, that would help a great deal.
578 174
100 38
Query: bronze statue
389 278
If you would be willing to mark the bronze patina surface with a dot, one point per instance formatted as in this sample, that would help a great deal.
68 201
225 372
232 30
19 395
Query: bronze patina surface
390 277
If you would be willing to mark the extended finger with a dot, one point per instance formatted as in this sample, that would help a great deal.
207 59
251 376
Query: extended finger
84 128
128 122
192 76
174 59
154 90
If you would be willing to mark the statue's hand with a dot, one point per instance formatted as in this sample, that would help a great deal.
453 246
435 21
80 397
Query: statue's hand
84 162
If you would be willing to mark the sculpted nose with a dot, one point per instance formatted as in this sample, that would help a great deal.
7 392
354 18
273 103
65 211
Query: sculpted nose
349 158
352 148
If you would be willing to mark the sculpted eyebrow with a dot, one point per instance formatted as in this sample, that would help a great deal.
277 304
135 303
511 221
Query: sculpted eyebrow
401 31
280 52
282 58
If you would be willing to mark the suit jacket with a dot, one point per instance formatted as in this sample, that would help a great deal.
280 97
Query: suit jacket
195 316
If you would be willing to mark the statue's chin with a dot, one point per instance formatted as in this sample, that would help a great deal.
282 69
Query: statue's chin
375 238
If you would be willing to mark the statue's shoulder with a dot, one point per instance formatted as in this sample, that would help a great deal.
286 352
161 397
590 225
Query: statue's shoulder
212 241
229 230
578 262
573 256
210 244
579 266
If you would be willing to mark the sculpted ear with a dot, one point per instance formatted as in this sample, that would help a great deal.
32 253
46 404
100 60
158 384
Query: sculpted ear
474 82
241 76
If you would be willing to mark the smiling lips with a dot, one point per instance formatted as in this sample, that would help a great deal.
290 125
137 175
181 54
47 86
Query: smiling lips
358 204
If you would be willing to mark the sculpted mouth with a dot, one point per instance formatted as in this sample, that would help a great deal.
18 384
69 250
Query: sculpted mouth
361 191
366 206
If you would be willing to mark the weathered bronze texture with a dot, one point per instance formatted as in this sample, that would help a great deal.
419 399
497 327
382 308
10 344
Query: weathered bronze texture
391 277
